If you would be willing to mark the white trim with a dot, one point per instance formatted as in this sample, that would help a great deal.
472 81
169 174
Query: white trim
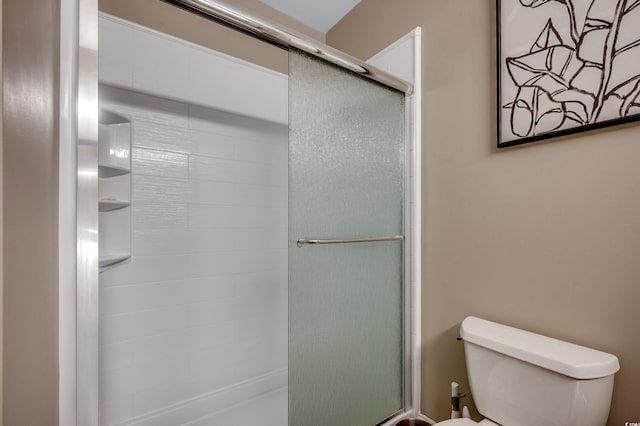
67 212
87 303
417 223
229 397
246 405
394 59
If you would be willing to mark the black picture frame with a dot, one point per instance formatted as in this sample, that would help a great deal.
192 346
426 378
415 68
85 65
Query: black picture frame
554 84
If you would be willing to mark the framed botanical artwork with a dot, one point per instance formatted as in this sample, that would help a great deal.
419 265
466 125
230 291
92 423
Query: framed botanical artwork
565 66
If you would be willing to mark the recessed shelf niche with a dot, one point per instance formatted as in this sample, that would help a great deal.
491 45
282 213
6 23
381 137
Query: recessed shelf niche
114 189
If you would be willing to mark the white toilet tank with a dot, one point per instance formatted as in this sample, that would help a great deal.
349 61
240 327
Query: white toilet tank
525 379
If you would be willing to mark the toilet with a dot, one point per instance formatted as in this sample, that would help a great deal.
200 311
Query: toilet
525 379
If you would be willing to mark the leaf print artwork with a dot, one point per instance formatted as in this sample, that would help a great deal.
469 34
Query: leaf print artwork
567 65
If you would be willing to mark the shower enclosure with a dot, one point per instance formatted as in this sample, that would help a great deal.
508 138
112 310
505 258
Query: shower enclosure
253 255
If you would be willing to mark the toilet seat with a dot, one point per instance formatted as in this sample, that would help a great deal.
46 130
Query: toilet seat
466 422
457 422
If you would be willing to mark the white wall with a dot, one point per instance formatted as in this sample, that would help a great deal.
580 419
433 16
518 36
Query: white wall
202 306
147 61
194 327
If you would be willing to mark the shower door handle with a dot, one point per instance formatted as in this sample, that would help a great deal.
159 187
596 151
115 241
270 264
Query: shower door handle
301 242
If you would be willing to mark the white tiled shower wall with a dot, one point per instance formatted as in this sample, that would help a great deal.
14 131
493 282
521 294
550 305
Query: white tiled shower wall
196 323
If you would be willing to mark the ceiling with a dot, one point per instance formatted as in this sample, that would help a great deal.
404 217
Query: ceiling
321 15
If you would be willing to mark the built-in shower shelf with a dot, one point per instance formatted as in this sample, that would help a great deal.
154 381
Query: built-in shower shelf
110 171
114 189
112 259
108 205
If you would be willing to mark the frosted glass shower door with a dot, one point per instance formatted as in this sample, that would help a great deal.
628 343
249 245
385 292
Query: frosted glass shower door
346 182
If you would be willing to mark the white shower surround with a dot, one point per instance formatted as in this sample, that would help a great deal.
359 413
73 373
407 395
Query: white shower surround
199 312
264 109
138 58
193 329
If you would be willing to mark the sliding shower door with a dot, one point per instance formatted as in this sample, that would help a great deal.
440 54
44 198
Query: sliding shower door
346 186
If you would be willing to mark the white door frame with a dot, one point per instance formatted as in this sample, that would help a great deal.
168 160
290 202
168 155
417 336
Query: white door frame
78 215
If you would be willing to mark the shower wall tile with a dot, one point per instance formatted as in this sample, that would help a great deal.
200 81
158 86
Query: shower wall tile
208 192
201 307
116 411
220 122
146 109
151 269
151 162
260 152
216 141
251 412
117 356
155 372
219 170
164 190
262 238
216 145
158 215
119 328
155 242
232 216
248 285
239 262
162 396
134 298
188 340
162 138
147 269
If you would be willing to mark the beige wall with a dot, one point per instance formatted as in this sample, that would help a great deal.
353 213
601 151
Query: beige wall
30 201
171 20
544 237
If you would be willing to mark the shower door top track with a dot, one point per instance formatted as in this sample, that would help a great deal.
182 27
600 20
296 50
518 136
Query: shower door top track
284 37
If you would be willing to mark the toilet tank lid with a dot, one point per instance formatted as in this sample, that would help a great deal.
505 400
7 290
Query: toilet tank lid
562 357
